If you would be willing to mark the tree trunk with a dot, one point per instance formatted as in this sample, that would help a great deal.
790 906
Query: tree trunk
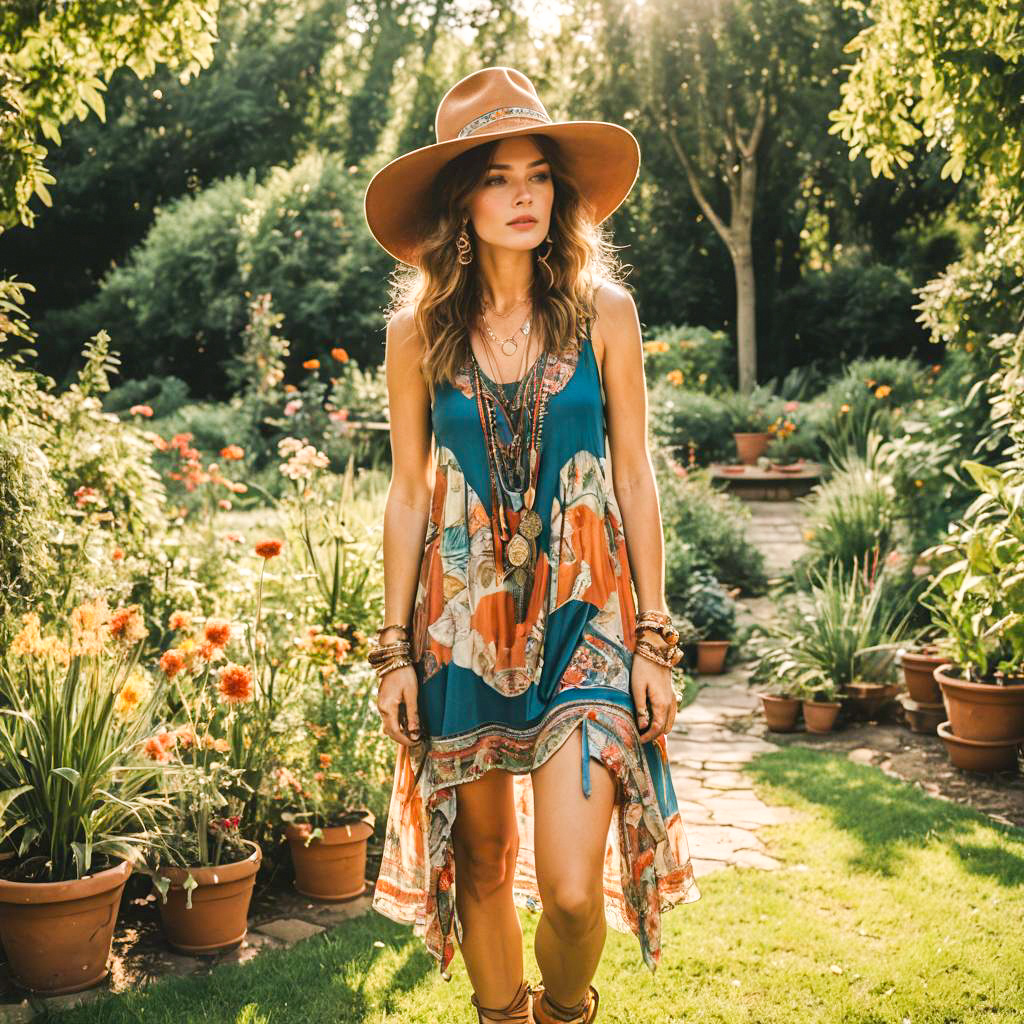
746 337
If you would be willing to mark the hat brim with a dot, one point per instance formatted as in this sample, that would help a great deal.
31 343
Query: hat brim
604 158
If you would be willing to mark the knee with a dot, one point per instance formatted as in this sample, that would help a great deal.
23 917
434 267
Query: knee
575 907
486 865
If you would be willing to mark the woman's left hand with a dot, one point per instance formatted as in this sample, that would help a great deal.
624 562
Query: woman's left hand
651 684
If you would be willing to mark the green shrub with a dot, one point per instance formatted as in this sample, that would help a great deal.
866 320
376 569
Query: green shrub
694 357
709 608
164 395
692 426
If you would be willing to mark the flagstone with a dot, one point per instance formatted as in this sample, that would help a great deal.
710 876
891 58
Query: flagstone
289 930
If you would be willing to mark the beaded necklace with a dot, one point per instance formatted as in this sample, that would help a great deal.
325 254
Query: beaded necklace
513 438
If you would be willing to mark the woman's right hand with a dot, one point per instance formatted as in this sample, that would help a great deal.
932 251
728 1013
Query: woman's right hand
397 704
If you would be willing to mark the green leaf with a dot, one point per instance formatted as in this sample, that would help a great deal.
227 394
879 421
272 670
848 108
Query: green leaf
69 774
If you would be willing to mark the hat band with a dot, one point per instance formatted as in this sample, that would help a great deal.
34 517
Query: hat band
501 114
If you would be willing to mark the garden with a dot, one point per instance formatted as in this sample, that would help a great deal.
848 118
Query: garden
195 456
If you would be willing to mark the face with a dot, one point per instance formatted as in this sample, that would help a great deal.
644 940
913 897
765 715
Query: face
517 185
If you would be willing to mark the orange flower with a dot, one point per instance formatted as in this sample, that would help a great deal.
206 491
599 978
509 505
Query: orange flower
325 761
158 747
340 354
141 410
844 407
268 548
311 364
232 452
117 554
171 663
217 632
883 391
126 625
236 683
179 620
676 377
185 736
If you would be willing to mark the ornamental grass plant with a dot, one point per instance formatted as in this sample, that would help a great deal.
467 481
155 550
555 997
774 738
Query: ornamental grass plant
76 792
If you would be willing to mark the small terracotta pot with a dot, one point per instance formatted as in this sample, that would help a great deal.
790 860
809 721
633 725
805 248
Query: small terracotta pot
780 712
922 718
982 711
919 672
57 935
980 755
711 656
332 868
821 715
218 919
751 446
866 700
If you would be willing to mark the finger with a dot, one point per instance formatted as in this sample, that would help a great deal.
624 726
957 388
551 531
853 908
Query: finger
390 728
412 712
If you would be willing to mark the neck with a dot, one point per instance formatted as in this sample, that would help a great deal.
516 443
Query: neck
506 276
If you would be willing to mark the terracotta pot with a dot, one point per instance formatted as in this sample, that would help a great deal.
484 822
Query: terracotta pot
711 656
57 935
922 718
820 715
982 711
919 672
980 755
780 712
218 919
866 700
331 868
750 447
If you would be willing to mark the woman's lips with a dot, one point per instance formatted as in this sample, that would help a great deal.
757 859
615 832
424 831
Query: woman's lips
523 224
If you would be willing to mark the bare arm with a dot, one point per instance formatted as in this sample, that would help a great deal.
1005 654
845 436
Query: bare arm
406 509
632 472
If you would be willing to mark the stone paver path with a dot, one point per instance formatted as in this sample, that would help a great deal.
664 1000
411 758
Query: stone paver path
720 811
777 529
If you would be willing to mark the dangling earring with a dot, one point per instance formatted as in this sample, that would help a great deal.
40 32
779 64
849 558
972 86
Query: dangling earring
463 244
544 259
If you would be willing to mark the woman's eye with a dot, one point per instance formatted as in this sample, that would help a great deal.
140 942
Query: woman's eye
543 175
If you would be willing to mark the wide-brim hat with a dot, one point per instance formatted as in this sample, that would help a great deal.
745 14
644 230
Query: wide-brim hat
496 102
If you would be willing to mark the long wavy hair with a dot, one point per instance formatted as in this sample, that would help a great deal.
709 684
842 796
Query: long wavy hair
446 296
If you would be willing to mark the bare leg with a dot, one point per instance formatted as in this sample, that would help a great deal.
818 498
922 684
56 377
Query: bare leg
571 931
486 841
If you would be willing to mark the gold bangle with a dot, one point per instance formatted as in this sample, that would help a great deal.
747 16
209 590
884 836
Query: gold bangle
668 657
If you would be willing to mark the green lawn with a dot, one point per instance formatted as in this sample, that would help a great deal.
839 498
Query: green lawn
892 907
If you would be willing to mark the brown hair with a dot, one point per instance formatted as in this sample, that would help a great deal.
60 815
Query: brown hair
445 295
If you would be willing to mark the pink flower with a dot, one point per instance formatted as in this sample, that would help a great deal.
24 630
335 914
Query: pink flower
141 410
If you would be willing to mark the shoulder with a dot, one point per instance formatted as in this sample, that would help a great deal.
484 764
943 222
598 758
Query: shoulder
401 327
616 323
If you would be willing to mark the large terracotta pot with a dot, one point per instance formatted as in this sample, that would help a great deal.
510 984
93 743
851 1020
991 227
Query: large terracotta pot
333 867
780 712
750 447
821 715
219 916
979 755
919 673
982 711
57 935
711 656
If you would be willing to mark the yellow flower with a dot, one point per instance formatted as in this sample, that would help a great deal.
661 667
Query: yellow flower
132 694
919 483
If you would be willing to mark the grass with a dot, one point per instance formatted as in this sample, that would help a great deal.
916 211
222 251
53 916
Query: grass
892 907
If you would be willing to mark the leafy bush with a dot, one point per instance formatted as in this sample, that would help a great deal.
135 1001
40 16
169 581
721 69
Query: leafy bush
692 357
751 413
692 426
164 395
709 607
704 528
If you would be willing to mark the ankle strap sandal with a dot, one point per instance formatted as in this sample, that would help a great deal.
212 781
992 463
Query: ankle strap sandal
547 1011
517 1011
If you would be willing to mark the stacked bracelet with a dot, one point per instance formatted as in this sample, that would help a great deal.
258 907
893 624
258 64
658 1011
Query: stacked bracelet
660 623
387 656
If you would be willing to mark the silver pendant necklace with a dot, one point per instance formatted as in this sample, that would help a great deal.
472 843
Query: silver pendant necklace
510 345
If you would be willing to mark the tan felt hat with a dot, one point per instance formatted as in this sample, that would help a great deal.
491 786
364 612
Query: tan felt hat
495 103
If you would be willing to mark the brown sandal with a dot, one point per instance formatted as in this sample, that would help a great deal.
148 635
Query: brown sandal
547 1011
517 1011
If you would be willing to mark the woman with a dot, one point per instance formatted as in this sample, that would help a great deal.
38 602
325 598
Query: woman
506 658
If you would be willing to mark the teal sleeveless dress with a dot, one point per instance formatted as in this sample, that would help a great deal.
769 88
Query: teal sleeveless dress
497 692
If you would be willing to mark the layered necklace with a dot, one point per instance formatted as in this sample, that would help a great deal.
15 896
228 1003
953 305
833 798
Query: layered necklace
513 436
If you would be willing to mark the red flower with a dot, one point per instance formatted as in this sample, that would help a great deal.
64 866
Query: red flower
172 662
236 684
268 548
217 632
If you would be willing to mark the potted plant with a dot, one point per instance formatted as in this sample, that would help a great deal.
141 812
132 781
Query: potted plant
712 613
751 415
201 866
919 663
821 702
977 606
76 804
874 685
326 834
781 706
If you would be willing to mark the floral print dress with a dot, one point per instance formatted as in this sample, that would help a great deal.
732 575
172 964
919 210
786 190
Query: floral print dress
497 693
